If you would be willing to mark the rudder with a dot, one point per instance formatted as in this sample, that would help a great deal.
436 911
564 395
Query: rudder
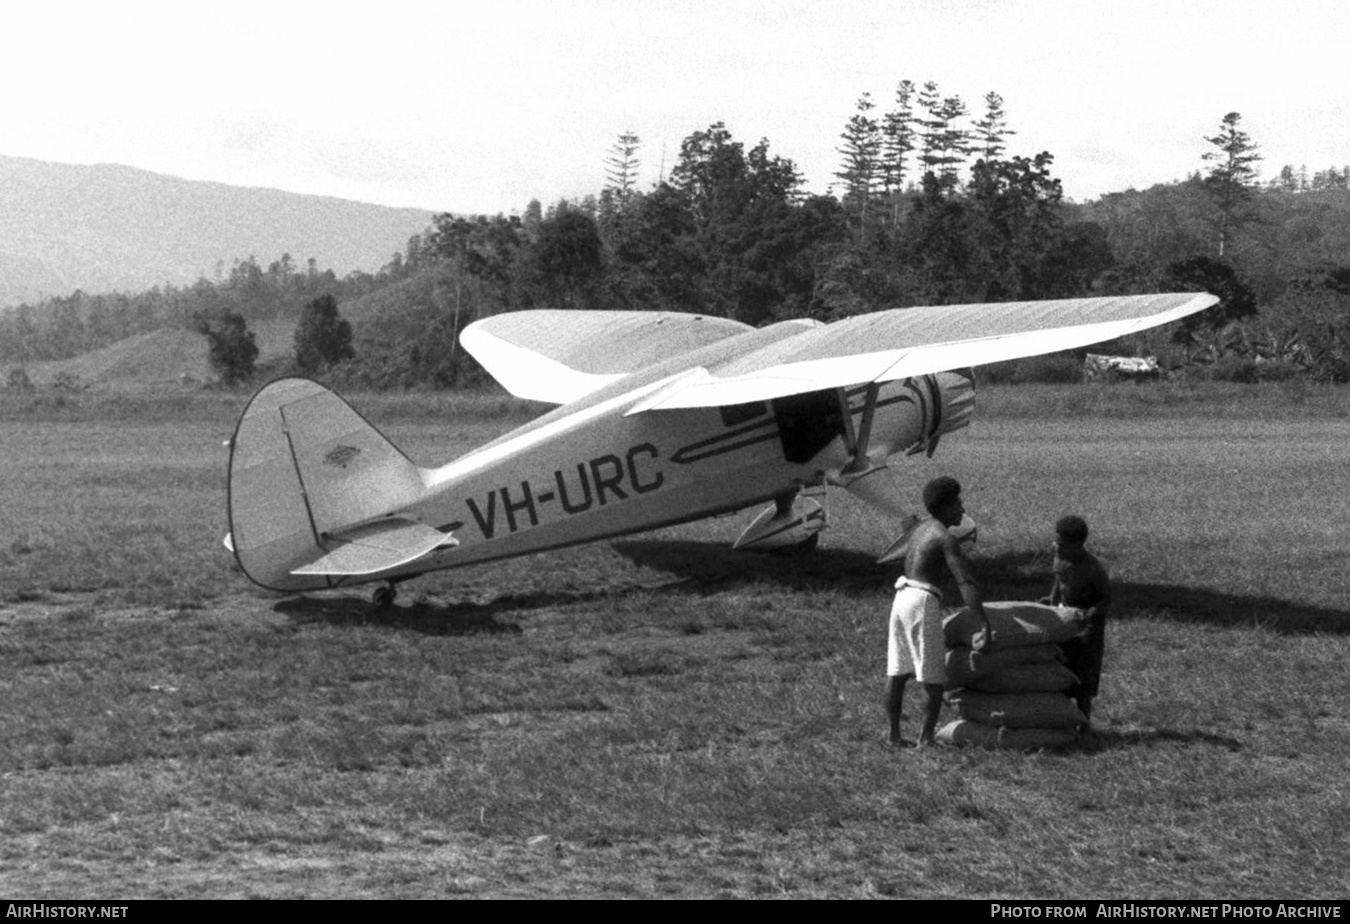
303 466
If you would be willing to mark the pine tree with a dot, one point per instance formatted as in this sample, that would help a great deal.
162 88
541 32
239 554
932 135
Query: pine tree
861 168
930 102
897 130
992 130
1232 176
954 142
621 167
945 143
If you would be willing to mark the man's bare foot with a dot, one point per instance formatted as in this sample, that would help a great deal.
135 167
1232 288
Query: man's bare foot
896 741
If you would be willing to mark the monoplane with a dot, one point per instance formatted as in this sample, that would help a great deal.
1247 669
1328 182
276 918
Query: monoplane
662 418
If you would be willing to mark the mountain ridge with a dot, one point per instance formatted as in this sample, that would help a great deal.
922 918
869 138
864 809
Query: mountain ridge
111 227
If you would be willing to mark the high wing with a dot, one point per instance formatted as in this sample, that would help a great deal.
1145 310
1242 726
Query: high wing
558 356
907 342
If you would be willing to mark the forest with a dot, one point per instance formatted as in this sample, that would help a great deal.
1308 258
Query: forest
928 207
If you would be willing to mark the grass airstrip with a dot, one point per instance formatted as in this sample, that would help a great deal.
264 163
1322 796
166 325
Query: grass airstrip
657 716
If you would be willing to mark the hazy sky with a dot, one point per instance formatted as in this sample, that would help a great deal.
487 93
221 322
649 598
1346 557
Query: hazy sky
481 106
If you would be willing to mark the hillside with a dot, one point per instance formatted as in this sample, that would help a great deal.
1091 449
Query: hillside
111 228
161 357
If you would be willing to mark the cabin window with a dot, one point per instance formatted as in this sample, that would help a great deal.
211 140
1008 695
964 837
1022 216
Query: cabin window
736 414
808 423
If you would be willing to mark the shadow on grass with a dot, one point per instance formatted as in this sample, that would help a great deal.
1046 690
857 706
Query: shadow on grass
1026 576
455 619
1098 741
707 567
711 566
1190 604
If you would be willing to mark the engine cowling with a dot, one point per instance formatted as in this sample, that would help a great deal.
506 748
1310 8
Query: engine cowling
954 403
915 413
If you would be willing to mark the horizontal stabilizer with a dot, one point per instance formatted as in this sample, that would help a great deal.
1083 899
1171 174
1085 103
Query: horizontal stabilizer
376 547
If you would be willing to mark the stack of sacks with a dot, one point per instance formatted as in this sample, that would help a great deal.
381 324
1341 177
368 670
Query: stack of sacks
1010 694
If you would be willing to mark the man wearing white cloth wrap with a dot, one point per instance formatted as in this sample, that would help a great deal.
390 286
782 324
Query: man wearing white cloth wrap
915 648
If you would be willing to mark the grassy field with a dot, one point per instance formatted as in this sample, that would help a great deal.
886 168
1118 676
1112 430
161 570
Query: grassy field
657 716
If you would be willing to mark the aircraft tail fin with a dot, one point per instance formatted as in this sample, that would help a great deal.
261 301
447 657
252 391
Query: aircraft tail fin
306 472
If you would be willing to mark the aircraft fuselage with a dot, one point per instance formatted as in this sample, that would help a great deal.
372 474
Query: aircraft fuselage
589 472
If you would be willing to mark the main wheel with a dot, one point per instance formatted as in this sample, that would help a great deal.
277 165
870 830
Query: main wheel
383 597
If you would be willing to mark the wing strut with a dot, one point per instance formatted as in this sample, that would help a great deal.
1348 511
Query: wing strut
859 476
858 440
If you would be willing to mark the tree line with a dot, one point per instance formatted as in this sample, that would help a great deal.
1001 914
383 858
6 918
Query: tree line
929 207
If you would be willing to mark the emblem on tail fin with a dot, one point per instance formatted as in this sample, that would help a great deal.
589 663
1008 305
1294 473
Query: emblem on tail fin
341 456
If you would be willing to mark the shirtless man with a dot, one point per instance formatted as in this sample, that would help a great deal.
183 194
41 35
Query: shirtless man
916 647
